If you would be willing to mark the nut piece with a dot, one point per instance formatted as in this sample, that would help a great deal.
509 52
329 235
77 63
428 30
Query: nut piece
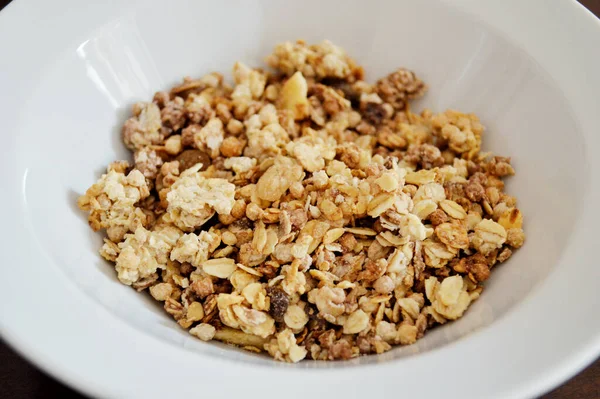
161 291
412 227
293 96
173 145
195 312
204 331
515 238
278 178
240 338
384 285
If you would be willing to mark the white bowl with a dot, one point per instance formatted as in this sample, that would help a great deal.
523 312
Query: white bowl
70 71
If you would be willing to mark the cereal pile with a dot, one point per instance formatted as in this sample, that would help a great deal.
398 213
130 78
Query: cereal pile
305 212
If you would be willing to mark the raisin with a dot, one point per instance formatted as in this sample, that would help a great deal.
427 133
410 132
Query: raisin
189 158
346 88
279 302
223 287
374 113
186 268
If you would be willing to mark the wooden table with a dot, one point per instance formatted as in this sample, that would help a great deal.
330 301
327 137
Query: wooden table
21 380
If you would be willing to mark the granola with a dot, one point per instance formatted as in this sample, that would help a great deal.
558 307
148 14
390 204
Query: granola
303 212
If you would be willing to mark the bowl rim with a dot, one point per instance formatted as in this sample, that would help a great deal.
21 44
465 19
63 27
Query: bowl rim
544 361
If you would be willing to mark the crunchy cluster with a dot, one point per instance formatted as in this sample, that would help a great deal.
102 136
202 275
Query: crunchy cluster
305 213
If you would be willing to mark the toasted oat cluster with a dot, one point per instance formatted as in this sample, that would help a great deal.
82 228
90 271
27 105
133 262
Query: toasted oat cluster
305 212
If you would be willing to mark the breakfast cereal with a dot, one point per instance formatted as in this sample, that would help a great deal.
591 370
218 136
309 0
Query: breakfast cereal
303 212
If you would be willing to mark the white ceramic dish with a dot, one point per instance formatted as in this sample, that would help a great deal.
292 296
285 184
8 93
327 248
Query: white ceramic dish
69 73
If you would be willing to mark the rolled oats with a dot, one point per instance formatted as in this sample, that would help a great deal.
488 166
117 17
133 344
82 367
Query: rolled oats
285 348
144 251
453 209
356 322
238 337
324 60
454 235
424 208
306 212
436 254
233 313
112 203
221 267
193 199
144 127
449 299
295 317
195 249
488 236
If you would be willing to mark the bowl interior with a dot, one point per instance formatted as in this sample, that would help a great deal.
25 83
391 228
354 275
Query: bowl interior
71 127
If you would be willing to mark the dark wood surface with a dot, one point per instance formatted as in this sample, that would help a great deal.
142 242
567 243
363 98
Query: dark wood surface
21 380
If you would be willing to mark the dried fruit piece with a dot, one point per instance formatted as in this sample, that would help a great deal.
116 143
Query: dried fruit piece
511 219
189 158
279 302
